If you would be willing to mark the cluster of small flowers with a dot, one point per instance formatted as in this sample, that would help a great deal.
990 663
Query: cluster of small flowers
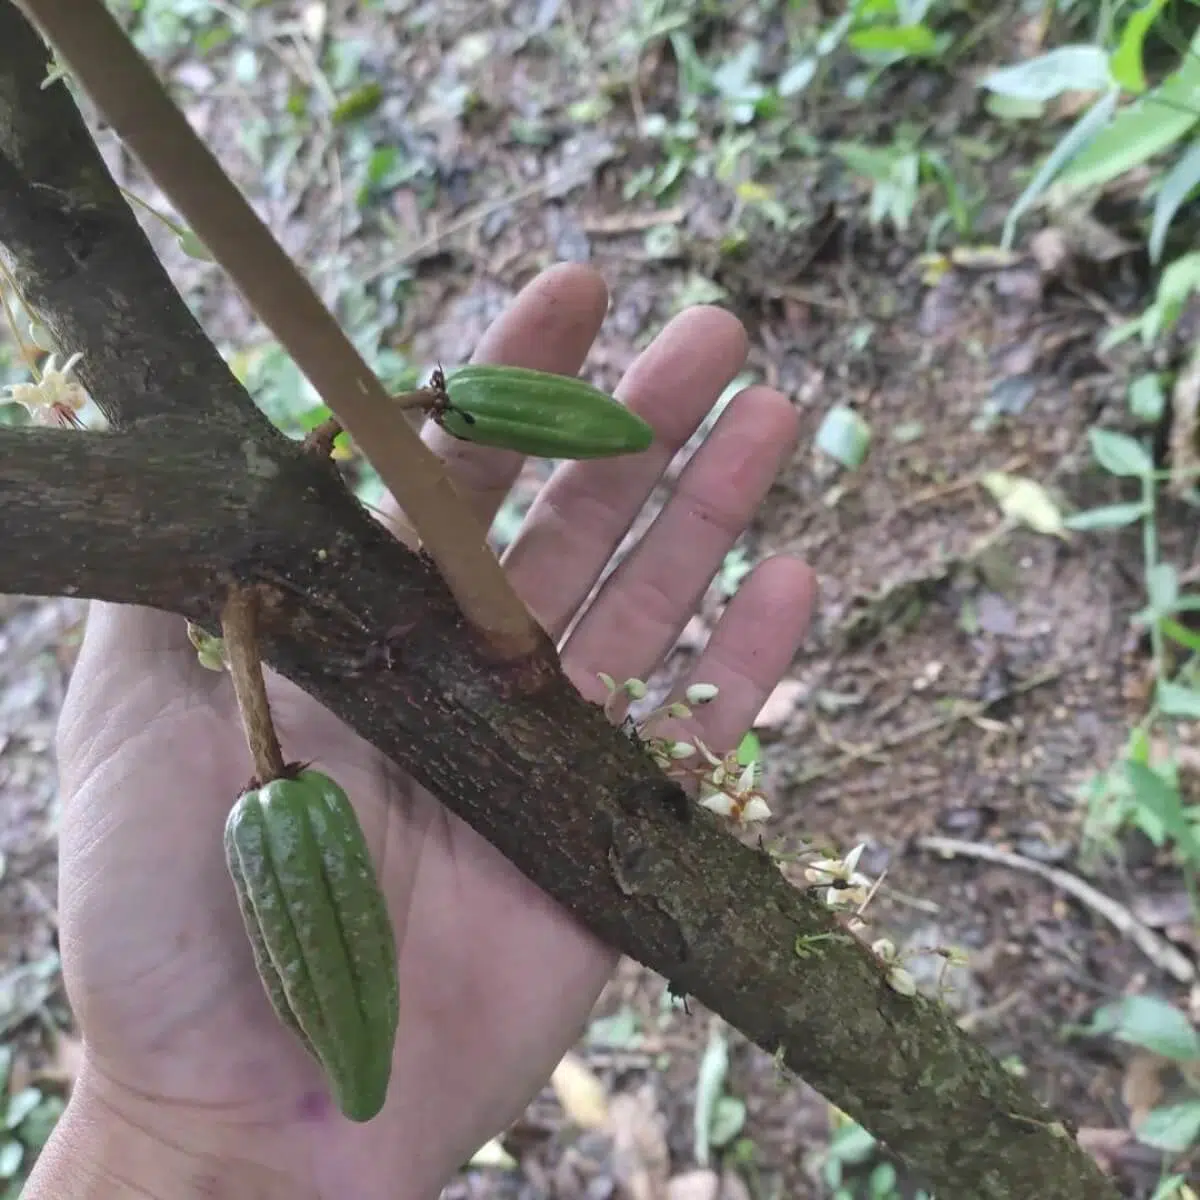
725 785
847 890
729 788
56 398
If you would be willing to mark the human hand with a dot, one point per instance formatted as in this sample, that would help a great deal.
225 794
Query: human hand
496 981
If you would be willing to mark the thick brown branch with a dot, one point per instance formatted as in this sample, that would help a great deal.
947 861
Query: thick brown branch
78 253
539 773
126 89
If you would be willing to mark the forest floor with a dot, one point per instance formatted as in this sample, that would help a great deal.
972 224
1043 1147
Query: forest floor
966 678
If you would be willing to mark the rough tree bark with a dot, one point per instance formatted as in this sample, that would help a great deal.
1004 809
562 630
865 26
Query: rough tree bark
193 489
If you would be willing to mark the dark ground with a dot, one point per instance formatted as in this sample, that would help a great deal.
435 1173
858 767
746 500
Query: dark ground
962 679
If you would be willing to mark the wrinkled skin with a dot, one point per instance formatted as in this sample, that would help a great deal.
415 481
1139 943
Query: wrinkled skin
496 981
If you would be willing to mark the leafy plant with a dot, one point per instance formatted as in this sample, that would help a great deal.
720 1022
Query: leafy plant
29 1118
1135 789
850 1147
1160 1028
1108 141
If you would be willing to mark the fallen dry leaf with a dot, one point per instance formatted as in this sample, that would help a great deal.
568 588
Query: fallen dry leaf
780 704
1141 1088
641 1162
581 1093
733 1186
1104 1145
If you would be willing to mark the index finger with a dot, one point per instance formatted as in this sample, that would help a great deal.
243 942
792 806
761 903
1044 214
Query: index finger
550 326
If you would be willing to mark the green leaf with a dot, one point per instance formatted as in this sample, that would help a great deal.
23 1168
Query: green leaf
11 1154
20 1106
710 1086
749 749
39 1125
1108 516
1147 400
1173 1128
1175 286
359 103
915 41
728 1120
1120 454
1081 134
1126 61
1151 1023
797 77
193 247
1181 634
1154 122
1175 189
1079 68
844 436
1162 587
1177 700
1162 801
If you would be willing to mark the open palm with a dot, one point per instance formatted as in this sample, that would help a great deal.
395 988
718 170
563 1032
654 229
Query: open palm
496 981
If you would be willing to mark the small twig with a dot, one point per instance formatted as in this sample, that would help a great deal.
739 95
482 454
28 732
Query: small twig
965 711
319 441
239 627
959 485
1158 950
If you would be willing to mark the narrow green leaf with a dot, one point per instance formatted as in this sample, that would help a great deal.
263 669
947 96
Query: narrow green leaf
1079 68
1126 61
1180 634
1162 586
1108 516
710 1087
1120 454
916 41
1175 189
1072 144
1152 124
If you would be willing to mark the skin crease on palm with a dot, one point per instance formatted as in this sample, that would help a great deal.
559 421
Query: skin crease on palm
496 982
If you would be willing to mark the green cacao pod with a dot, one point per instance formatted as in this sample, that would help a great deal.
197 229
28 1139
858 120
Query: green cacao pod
536 413
320 930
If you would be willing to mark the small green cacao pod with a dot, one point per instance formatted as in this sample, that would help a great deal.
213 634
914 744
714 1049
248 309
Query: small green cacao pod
536 413
320 930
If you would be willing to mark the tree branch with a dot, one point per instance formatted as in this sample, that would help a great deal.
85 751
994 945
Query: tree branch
125 87
575 805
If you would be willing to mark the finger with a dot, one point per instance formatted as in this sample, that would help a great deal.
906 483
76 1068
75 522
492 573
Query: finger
550 326
643 605
583 512
751 649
